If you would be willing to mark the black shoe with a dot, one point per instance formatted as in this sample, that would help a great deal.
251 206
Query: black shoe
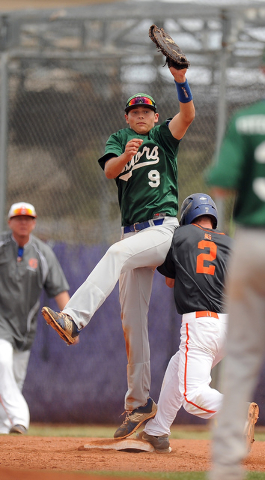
160 444
134 419
62 323
18 429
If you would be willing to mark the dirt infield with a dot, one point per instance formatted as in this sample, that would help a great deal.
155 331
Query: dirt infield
50 456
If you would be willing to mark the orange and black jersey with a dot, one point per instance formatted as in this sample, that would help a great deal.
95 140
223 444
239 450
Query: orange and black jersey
197 260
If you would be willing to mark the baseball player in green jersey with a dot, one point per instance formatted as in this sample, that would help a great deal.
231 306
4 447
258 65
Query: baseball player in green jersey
27 265
142 160
241 168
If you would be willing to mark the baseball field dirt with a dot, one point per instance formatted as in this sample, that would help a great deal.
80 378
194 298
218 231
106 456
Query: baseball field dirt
57 458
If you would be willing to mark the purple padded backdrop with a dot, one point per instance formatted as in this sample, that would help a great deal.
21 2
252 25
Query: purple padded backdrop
86 383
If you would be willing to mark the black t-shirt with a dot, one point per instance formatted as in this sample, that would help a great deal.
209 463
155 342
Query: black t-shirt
197 260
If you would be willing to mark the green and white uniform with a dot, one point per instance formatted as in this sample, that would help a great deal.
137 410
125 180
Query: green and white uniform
241 166
22 280
148 194
148 184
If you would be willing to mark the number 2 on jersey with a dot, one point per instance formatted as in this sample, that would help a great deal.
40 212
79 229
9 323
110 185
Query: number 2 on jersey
202 257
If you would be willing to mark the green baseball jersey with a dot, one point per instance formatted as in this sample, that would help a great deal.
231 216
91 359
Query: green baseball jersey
241 164
22 279
148 183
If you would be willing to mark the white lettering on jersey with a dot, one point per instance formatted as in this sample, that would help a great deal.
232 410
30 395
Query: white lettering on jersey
154 177
259 183
259 153
259 188
152 158
251 124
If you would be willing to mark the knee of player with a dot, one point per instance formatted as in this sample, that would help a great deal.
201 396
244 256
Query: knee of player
193 402
114 249
4 362
119 250
190 407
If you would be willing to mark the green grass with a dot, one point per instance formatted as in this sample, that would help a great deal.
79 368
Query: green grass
57 430
255 476
155 475
98 431
162 475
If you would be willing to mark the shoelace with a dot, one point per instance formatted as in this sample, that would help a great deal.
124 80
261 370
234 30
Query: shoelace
127 416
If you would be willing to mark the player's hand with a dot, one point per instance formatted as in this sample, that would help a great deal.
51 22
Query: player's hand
114 166
132 147
170 282
179 75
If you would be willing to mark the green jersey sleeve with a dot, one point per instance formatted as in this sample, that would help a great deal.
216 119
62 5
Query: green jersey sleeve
115 146
241 164
227 172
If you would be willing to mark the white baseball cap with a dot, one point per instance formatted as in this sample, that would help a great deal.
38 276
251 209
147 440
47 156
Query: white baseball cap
22 208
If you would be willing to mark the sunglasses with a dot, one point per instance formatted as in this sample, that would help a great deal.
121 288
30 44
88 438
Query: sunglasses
140 101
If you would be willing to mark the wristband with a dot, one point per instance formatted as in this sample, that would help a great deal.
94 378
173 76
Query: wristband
184 92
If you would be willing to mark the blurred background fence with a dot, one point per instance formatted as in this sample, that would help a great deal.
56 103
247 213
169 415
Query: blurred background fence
65 78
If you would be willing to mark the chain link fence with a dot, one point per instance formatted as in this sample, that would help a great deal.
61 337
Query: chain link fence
60 114
61 111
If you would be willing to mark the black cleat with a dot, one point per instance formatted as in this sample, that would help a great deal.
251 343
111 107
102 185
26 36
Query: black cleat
18 429
160 444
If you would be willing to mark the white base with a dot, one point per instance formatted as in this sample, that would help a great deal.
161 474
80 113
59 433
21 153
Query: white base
123 444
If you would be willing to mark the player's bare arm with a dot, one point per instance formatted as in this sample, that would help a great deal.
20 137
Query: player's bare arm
170 282
115 165
181 122
178 64
62 299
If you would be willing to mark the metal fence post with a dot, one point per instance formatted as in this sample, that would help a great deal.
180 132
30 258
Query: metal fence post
221 113
3 136
221 122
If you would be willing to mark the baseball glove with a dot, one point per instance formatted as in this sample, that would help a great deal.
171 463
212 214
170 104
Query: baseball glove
165 44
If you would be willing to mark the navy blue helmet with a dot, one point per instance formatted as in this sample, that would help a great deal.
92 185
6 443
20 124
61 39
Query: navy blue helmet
196 205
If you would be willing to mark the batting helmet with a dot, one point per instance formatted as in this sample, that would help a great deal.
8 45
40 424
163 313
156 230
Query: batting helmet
196 205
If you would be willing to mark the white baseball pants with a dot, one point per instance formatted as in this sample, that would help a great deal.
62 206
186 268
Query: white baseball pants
188 376
245 351
133 261
13 368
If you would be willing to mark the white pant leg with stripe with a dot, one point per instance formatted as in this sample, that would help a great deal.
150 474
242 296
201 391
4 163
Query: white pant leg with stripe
169 402
201 348
188 374
13 368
